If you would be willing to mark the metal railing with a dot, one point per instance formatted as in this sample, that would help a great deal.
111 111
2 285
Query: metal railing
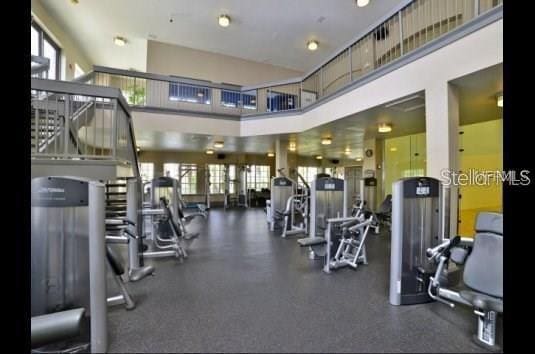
411 26
73 121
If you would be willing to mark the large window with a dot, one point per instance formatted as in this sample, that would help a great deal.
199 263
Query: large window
277 101
146 169
217 179
232 178
171 170
308 173
189 93
258 177
238 99
43 46
188 183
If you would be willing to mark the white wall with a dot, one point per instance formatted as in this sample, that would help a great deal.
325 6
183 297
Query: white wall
70 52
168 59
479 50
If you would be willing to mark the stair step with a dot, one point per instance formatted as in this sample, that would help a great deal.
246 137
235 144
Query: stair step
115 193
115 185
116 201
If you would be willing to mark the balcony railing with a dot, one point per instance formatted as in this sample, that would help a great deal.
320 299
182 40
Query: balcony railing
412 26
73 121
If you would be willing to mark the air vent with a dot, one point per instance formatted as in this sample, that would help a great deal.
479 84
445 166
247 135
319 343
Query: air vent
407 104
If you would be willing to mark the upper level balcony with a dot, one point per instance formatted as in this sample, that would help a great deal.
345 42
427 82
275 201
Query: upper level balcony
413 30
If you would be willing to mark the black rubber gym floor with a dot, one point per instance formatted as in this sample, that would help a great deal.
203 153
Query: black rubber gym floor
244 289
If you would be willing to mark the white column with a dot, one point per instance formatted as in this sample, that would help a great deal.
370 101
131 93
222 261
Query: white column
281 156
442 134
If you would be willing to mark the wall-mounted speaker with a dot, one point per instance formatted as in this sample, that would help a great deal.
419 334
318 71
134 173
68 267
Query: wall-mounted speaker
221 156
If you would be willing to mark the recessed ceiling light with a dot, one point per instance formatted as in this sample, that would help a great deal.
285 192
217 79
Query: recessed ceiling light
362 3
312 45
224 20
270 154
326 141
209 152
348 151
120 41
138 149
499 100
358 159
219 144
319 157
384 128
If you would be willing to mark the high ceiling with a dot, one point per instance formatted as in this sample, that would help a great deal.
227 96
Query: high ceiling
477 103
274 31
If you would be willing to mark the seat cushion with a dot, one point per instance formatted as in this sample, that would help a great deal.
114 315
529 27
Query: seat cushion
482 301
311 241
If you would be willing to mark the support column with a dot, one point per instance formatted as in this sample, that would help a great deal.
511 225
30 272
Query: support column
281 156
369 163
442 147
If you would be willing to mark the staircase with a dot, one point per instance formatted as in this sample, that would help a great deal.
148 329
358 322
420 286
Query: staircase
82 130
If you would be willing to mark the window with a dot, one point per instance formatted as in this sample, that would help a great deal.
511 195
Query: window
337 172
232 178
258 177
188 183
43 46
146 169
277 101
78 71
217 179
308 173
238 99
170 170
189 93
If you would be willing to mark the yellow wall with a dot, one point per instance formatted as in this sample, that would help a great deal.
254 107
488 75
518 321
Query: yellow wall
482 150
70 53
408 159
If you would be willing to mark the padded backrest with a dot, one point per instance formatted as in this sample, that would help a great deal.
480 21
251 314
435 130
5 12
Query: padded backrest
483 271
386 205
489 222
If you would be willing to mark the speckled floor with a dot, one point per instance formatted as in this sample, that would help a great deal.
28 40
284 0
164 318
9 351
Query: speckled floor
244 289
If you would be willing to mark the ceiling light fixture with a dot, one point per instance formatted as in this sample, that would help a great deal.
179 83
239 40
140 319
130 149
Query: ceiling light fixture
138 149
384 128
312 45
319 157
499 100
224 21
326 141
209 152
362 3
219 144
358 159
348 151
292 147
270 154
120 41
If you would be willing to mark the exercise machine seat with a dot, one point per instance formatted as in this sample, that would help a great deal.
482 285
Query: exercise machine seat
114 260
311 241
482 301
483 272
56 326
